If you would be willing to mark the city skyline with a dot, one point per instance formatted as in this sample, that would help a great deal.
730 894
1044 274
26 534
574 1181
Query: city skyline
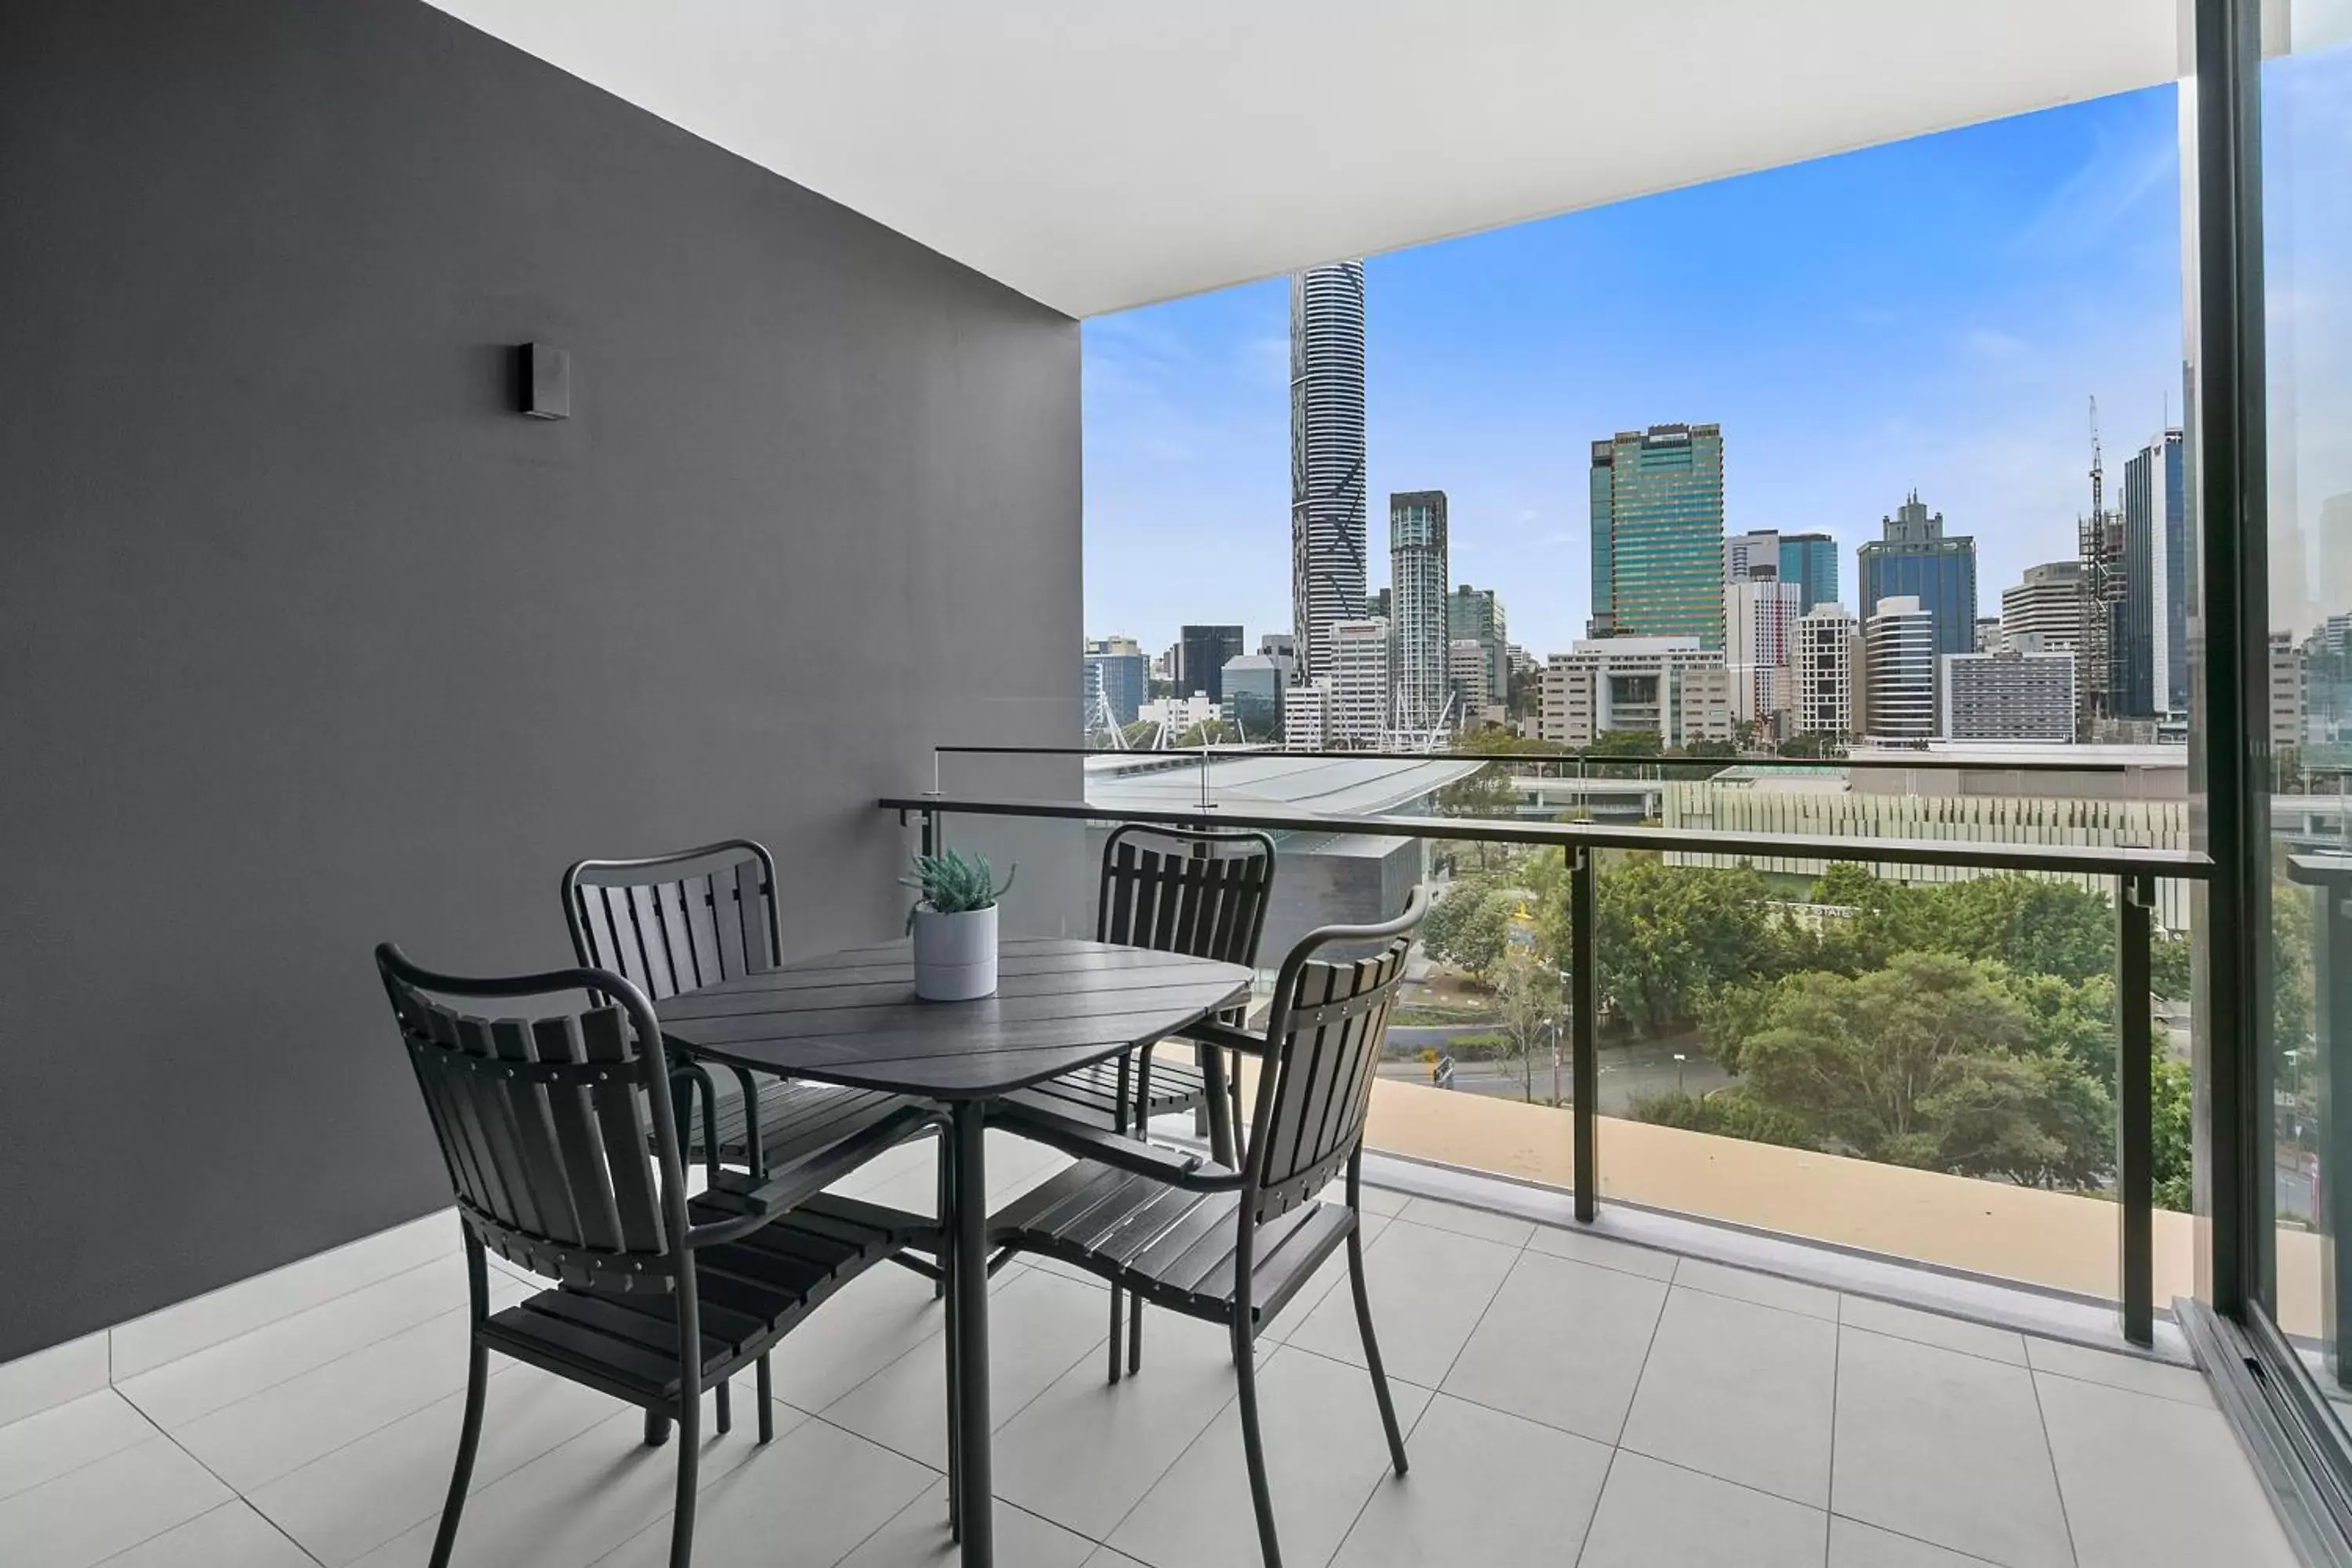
1929 314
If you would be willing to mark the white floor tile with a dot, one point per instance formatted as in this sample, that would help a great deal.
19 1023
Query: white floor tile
1932 1329
65 1437
1946 1447
1741 1392
1428 1289
35 1383
1331 1276
1856 1546
344 1504
917 1538
1764 1290
1039 1325
2151 1481
2117 1370
1381 1200
802 1502
194 1385
877 1318
1484 1488
1557 1241
1563 1343
1107 1558
230 1536
573 1505
1481 1223
187 1327
256 1440
1653 1515
1087 1450
1325 1453
90 1513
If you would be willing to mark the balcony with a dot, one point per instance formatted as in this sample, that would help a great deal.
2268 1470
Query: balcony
1571 1400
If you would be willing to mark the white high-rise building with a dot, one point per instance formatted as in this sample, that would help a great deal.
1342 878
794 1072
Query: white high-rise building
1327 459
1824 650
1902 647
1306 715
1758 612
1419 607
1466 673
1359 684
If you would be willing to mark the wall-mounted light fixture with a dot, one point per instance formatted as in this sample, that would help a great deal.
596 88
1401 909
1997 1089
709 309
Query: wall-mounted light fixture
546 381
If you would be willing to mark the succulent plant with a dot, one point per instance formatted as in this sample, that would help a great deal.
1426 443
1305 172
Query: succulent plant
954 883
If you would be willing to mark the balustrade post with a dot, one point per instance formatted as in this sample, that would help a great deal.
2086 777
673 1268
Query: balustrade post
2135 1139
1584 1037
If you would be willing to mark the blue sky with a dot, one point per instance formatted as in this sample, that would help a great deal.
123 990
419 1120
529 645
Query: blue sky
1933 313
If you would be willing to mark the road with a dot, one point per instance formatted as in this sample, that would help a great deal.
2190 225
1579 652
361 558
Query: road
1627 1072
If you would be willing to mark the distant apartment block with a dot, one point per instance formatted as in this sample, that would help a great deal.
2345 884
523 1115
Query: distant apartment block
1306 715
1759 611
1419 609
1989 634
1466 677
1206 649
1743 553
2286 700
1669 687
2008 697
1901 639
1825 665
1478 613
1656 499
1253 686
2044 611
1358 686
2152 624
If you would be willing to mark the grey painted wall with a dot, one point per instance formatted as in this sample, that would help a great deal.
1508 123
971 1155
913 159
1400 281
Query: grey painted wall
307 641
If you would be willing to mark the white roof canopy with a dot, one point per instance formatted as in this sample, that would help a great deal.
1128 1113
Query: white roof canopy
1096 154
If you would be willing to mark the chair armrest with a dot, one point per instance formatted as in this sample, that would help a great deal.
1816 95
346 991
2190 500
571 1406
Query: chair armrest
756 1199
1223 1037
1124 1152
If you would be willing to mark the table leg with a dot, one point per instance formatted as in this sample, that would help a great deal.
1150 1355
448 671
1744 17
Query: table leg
975 1487
1220 1106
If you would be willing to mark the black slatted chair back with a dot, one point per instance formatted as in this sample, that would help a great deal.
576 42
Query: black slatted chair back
673 923
1329 1021
556 1128
1202 892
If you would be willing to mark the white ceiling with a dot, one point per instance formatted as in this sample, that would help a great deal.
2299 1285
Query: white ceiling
1101 154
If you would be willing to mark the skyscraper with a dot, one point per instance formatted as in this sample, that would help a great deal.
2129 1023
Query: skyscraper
1206 649
1478 613
1418 607
1902 649
2008 695
1825 647
1913 559
1657 533
2047 607
2152 626
1357 685
1810 560
1742 552
1759 614
1326 457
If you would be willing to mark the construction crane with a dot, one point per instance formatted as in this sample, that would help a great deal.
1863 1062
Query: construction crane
2100 546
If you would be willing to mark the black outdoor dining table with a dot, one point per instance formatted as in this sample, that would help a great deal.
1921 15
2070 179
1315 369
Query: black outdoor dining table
852 1018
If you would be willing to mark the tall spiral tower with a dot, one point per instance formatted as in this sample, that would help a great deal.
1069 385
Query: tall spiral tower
1326 457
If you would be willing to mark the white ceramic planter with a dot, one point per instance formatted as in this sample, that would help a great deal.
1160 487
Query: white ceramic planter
955 955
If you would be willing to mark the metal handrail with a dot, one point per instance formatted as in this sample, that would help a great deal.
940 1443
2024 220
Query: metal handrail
2080 859
2135 871
1911 761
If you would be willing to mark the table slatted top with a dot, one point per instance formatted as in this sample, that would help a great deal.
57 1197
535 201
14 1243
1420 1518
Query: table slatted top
852 1018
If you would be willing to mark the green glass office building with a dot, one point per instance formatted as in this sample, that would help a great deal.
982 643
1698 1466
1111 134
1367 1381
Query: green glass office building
1657 533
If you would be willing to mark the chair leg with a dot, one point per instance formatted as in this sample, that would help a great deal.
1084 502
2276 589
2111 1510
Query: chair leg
1118 1329
689 1454
726 1407
469 1436
1253 1448
1134 1335
1373 1347
767 1403
656 1429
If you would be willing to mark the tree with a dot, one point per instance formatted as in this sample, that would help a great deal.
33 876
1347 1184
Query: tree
1727 1113
1474 931
1806 746
1665 936
1529 998
1932 1062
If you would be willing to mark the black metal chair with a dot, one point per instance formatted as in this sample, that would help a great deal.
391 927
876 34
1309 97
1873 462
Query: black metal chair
1202 892
563 1153
1235 1246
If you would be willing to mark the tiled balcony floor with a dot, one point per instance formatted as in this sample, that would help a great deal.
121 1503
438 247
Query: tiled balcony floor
1569 1401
